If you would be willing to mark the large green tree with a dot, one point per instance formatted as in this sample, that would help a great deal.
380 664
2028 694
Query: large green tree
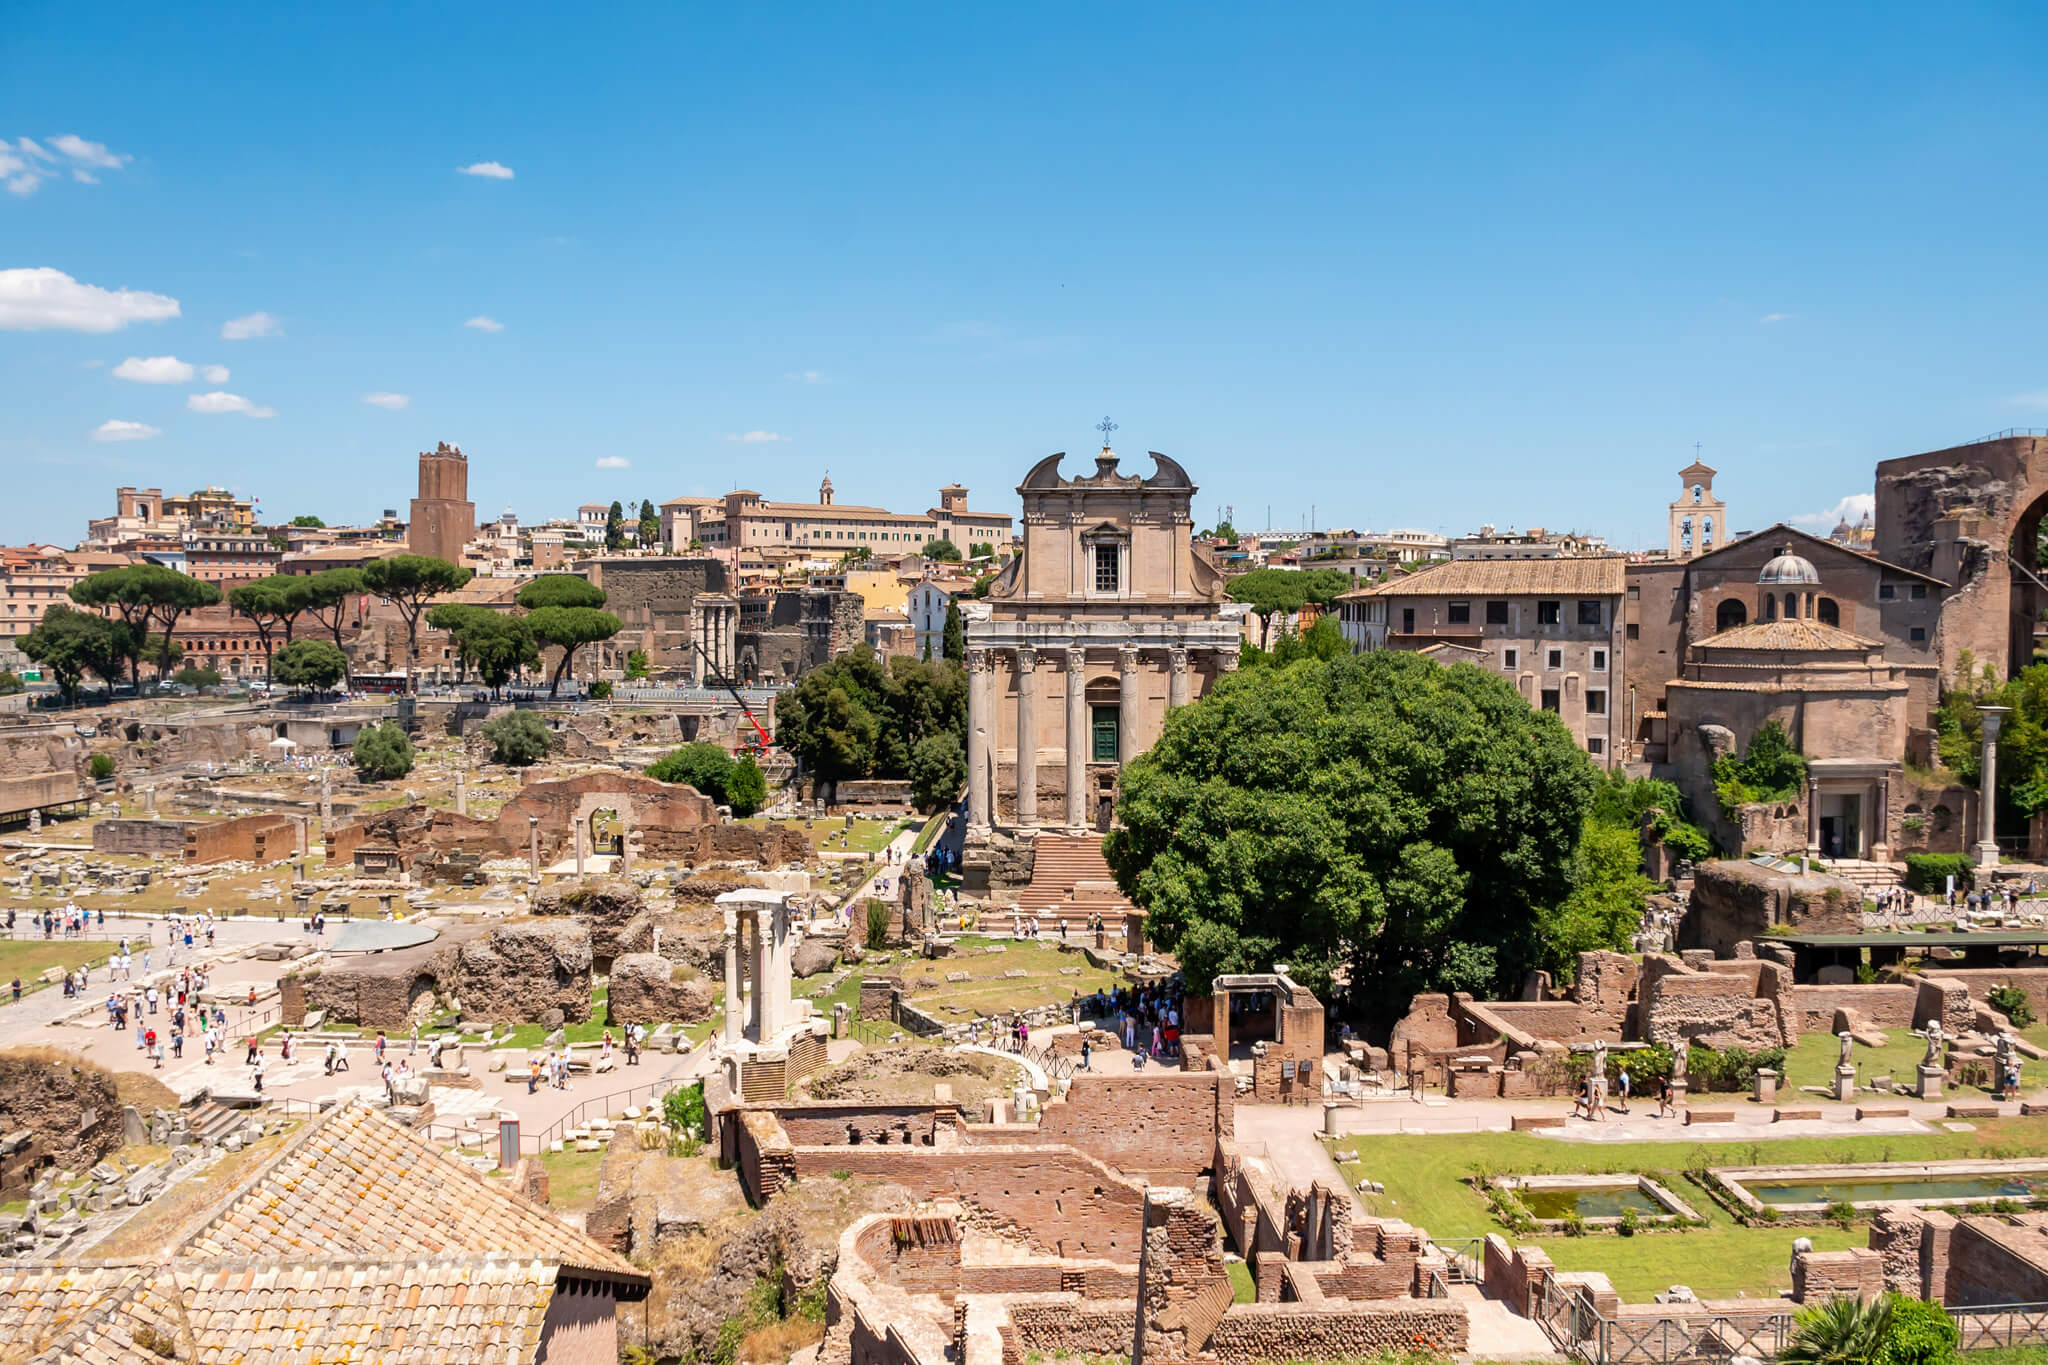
309 663
648 531
148 599
272 604
615 526
331 599
382 752
69 644
569 629
1282 592
1416 822
736 782
857 718
518 738
409 583
560 590
953 641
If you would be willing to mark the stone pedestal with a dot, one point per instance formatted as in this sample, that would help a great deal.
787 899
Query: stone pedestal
1331 1109
1679 1088
1931 1078
1766 1086
1845 1083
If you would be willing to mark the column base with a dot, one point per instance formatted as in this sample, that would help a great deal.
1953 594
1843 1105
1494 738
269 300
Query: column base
1985 853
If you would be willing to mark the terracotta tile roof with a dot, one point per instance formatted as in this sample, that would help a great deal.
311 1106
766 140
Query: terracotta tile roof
1806 636
355 1183
1575 576
266 1312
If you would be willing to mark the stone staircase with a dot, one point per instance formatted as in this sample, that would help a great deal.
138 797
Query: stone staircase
1071 882
1868 875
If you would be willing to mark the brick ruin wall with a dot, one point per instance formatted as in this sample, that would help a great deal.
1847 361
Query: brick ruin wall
141 838
1162 1126
249 839
68 1108
1881 1006
1741 1003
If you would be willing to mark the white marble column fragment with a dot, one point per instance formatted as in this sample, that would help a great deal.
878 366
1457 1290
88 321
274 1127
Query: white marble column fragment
979 715
1127 699
733 1020
1176 677
1077 737
1027 737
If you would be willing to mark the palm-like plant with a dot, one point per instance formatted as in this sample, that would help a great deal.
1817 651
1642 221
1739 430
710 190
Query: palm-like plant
1840 1331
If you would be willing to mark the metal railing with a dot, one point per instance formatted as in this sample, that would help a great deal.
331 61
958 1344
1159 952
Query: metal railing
1464 1259
2001 1325
1437 1288
598 1106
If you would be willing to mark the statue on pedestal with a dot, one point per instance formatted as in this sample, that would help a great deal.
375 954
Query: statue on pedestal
1933 1057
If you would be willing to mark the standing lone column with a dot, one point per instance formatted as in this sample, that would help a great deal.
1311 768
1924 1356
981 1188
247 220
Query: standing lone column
1987 786
732 977
1176 677
978 709
1077 737
1127 707
1027 737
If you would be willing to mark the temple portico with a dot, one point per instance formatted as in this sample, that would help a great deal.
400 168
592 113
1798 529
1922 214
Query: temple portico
1109 619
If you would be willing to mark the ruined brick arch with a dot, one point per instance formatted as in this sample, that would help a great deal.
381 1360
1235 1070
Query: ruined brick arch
1944 818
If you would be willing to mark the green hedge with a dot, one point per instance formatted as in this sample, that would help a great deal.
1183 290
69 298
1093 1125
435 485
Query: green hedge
1928 873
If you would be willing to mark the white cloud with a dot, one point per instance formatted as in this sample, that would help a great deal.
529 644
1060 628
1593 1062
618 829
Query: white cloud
114 429
227 402
215 374
805 377
391 401
89 153
489 170
484 324
613 462
46 300
1775 317
157 369
754 438
1850 509
249 326
26 163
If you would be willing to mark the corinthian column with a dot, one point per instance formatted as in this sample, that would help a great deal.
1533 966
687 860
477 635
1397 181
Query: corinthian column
1176 677
1077 737
1127 699
978 709
1027 737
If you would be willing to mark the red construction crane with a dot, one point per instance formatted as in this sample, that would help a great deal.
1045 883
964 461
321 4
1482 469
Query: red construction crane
760 741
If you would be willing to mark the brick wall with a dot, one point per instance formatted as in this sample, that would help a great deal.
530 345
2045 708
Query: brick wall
1252 1332
1995 1260
766 1160
1881 1006
1161 1124
141 838
1979 980
1858 1272
252 838
1948 999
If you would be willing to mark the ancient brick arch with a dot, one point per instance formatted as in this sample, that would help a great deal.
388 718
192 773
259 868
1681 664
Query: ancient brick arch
642 804
1971 515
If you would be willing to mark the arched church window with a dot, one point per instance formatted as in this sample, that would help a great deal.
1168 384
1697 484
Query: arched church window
1730 614
1791 606
1770 607
1829 613
1697 494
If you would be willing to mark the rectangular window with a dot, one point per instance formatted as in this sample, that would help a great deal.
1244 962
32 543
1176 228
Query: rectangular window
1886 592
1635 592
1459 613
1599 661
1104 734
1509 658
1589 612
1553 659
1596 703
1550 699
1634 631
1105 568
1548 613
1919 635
1919 591
1496 613
1595 745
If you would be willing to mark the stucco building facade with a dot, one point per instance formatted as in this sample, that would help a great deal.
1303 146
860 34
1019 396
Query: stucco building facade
1109 618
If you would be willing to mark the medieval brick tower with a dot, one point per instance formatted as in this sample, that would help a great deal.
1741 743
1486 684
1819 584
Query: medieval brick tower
443 517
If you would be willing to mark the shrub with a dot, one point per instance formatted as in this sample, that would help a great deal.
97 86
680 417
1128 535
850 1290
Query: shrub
1628 1224
308 663
746 791
2011 1001
518 738
683 1109
600 690
1928 873
878 924
10 682
1841 1211
1921 1333
702 765
636 664
383 752
101 766
193 676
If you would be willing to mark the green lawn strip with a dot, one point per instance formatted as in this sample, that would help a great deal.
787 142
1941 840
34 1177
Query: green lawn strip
930 832
572 1178
1812 1063
2007 1355
28 958
1425 1176
1242 1290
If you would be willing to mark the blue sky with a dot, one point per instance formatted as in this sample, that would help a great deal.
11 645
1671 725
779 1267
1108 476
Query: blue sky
1410 269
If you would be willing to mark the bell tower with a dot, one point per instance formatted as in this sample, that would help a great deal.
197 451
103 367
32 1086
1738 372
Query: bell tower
1699 520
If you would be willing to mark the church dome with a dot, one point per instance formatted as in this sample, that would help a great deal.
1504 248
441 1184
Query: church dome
1788 568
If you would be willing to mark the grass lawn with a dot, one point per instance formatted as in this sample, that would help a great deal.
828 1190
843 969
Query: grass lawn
1812 1063
27 958
572 1178
1425 1178
1242 1290
2010 1355
866 836
990 990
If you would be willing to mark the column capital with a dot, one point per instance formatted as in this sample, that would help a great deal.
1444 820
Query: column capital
977 660
1226 660
1177 658
1127 658
1027 659
1077 659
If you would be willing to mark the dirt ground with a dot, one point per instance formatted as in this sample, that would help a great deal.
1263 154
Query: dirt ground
907 1075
